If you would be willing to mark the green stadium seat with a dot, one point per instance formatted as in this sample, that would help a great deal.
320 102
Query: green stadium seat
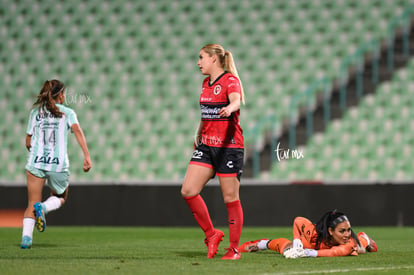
134 59
370 142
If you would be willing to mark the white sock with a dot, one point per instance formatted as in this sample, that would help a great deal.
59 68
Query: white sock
262 245
28 226
51 204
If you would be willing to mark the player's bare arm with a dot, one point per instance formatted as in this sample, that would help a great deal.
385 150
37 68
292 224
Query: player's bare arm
80 137
28 142
232 107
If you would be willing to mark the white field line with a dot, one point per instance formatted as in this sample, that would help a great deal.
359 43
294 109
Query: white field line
345 270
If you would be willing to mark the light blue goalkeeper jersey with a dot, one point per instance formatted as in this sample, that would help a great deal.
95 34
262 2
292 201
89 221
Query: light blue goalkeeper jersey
50 139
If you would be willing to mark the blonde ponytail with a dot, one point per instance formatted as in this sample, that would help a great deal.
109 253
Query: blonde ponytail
226 61
231 68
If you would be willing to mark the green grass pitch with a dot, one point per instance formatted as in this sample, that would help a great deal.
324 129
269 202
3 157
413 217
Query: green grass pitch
176 250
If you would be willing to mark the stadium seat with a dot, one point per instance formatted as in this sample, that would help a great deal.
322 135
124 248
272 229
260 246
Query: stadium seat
372 141
136 60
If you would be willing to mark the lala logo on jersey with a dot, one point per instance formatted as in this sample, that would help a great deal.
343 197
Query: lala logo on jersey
217 89
46 160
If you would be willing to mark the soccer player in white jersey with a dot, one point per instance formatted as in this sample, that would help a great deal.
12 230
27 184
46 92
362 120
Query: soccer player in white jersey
46 141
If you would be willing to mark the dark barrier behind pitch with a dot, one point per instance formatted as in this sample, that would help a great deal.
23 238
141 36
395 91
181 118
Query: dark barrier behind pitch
263 205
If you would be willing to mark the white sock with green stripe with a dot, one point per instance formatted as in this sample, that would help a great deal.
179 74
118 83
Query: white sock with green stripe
51 204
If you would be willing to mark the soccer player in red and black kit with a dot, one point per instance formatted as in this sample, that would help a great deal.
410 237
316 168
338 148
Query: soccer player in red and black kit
219 148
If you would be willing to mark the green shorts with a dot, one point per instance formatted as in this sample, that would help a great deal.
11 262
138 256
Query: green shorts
57 181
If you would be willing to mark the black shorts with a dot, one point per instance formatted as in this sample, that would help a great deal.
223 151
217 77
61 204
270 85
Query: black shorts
226 162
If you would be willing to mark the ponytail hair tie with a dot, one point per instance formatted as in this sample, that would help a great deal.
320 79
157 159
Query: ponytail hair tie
56 90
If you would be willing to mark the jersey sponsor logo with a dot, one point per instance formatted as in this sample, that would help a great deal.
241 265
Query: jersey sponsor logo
232 84
46 160
44 115
217 90
206 99
48 124
211 111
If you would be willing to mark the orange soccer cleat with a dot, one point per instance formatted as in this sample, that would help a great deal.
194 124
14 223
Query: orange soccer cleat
213 242
250 246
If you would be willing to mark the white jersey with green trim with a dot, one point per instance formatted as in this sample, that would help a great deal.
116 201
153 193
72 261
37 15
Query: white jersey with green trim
49 141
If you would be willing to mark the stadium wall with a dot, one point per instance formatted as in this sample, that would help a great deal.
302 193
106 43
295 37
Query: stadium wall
264 204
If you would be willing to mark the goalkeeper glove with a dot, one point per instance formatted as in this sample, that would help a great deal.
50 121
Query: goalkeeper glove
294 253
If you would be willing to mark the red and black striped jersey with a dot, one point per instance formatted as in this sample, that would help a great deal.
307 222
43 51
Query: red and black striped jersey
220 131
